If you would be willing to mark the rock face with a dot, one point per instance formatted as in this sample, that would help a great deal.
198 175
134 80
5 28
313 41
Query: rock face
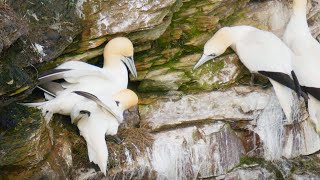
202 124
32 32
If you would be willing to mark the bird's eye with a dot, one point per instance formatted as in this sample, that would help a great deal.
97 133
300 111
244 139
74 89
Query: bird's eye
212 55
85 112
117 102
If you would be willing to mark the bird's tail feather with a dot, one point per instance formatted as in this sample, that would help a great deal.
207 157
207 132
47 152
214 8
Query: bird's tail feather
286 99
314 111
33 104
96 144
98 154
91 154
45 112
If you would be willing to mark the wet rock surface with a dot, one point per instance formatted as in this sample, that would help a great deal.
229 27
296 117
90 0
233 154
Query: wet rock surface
202 124
11 27
52 25
33 32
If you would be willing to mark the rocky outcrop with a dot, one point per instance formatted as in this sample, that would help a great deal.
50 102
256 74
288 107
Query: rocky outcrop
11 27
33 32
204 124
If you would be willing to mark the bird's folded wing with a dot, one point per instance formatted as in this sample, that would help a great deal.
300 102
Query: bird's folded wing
281 78
70 75
285 80
51 75
77 65
99 102
73 71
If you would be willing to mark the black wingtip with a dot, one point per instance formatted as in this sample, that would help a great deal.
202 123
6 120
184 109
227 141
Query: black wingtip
85 94
299 90
296 84
287 81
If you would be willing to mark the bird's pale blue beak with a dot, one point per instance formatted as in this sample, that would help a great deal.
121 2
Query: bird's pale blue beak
204 58
129 62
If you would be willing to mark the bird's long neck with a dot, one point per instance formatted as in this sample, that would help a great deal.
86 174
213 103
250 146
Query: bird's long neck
300 12
298 21
300 8
237 33
117 69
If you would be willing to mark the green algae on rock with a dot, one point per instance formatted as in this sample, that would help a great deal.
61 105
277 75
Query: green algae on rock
28 142
197 133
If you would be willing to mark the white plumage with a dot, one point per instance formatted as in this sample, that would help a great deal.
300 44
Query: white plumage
94 121
307 61
93 128
261 52
94 97
80 76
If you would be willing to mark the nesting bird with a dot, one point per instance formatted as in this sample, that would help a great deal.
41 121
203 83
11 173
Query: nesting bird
261 52
95 121
80 76
298 38
94 97
118 54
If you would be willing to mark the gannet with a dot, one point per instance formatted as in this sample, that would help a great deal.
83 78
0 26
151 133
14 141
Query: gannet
80 76
94 122
62 105
118 53
298 38
261 52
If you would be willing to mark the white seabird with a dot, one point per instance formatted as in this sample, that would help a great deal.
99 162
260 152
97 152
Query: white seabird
80 76
298 38
261 52
118 53
94 121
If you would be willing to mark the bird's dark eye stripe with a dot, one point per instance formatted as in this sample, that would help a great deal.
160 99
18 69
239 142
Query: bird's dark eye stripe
85 112
117 102
212 55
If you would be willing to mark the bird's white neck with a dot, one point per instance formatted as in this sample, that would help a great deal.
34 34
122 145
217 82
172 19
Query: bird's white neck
298 20
117 69
300 8
237 33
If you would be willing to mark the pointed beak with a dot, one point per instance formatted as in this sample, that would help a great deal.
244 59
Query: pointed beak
203 60
129 61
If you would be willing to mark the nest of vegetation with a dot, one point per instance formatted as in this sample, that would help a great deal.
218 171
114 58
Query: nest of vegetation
135 142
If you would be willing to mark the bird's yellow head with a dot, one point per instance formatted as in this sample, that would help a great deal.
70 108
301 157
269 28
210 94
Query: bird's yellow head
126 98
216 46
120 48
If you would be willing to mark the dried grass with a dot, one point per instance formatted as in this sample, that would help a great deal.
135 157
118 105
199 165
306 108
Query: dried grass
136 141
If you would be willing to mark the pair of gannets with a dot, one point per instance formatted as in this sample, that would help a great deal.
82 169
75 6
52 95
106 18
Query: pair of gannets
307 62
80 76
94 97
